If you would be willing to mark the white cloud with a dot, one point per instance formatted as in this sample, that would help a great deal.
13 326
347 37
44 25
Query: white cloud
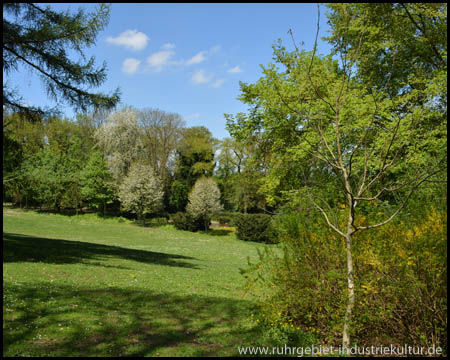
159 59
235 70
196 59
168 46
201 77
218 83
202 55
130 65
131 39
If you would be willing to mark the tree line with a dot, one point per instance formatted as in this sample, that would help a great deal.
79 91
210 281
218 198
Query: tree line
91 161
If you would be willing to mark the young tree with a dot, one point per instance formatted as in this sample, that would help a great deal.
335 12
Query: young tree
141 192
204 200
363 141
38 38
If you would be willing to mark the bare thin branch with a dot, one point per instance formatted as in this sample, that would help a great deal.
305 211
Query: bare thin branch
326 218
424 178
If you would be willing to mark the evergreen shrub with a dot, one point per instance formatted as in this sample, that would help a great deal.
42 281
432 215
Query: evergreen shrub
185 221
254 227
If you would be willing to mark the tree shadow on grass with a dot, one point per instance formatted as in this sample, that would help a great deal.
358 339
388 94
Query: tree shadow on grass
26 248
218 232
48 211
59 320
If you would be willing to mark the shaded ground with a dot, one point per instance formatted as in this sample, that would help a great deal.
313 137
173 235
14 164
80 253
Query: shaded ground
62 320
20 248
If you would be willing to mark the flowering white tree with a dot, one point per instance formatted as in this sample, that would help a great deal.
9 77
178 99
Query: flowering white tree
141 192
204 199
119 137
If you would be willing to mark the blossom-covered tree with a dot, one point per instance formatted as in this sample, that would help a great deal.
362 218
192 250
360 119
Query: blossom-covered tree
119 138
141 192
204 199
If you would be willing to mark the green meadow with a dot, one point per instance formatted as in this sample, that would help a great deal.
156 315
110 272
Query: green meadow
89 286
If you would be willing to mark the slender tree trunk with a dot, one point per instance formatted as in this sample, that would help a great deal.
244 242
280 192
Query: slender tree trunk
350 279
351 293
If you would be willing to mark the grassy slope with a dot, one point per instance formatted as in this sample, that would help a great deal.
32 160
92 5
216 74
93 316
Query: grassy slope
82 286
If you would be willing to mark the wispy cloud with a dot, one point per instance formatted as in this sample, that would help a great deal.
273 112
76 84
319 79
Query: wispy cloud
131 39
130 65
165 58
168 46
198 58
201 77
218 83
202 55
192 116
160 59
234 70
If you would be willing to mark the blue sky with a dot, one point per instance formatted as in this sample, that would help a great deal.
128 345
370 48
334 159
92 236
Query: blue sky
188 58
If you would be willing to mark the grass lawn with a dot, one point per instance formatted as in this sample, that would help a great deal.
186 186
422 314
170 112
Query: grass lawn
86 286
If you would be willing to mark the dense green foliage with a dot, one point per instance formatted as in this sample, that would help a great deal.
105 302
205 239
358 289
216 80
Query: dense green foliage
195 158
96 180
188 222
254 227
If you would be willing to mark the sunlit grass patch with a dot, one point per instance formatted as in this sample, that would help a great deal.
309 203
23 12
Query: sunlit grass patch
88 286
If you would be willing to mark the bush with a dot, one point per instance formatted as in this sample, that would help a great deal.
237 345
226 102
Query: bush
400 280
158 221
254 227
224 220
402 284
226 217
185 221
288 226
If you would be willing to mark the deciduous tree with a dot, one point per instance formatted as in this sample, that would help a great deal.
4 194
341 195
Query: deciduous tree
120 139
97 189
204 199
363 140
141 192
161 132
